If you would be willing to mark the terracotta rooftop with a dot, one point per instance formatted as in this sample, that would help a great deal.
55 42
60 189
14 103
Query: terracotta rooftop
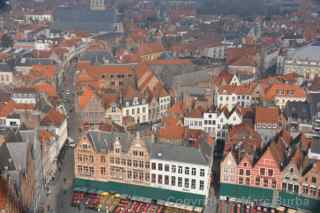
268 115
47 88
284 90
53 117
85 97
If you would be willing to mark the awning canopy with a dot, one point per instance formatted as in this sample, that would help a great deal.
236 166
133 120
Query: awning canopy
183 198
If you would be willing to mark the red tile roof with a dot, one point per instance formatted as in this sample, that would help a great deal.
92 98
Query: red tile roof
53 117
47 88
172 129
243 89
85 97
268 115
284 90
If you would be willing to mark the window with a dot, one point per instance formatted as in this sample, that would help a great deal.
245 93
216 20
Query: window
143 109
141 164
80 169
103 159
153 166
135 153
91 171
135 163
173 168
186 183
270 172
166 180
159 179
147 177
80 158
193 184
262 171
201 172
153 178
247 180
193 171
257 181
102 170
129 174
179 181
123 162
160 166
314 180
296 189
247 172
313 191
240 180
147 165
180 169
129 163
141 154
284 186
201 186
274 183
117 150
186 170
265 182
117 160
305 189
111 160
241 172
173 180
166 168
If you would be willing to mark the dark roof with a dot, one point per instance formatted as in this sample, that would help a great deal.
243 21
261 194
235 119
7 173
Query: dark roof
32 61
103 141
314 101
315 146
83 19
177 153
5 159
4 67
298 111
13 135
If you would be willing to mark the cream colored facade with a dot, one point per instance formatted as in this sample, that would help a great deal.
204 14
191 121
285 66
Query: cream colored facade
130 167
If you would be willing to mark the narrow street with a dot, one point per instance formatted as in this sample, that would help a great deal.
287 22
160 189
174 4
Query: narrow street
59 199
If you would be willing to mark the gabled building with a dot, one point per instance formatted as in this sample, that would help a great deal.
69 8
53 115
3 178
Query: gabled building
134 165
281 93
90 107
231 95
268 122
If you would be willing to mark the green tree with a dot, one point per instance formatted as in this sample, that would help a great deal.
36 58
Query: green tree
6 41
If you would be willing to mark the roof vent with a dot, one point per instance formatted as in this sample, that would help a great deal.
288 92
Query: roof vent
159 154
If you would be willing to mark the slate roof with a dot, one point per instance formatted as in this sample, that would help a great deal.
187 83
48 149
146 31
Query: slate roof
105 140
315 146
310 52
82 19
298 110
5 68
177 153
314 101
4 159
